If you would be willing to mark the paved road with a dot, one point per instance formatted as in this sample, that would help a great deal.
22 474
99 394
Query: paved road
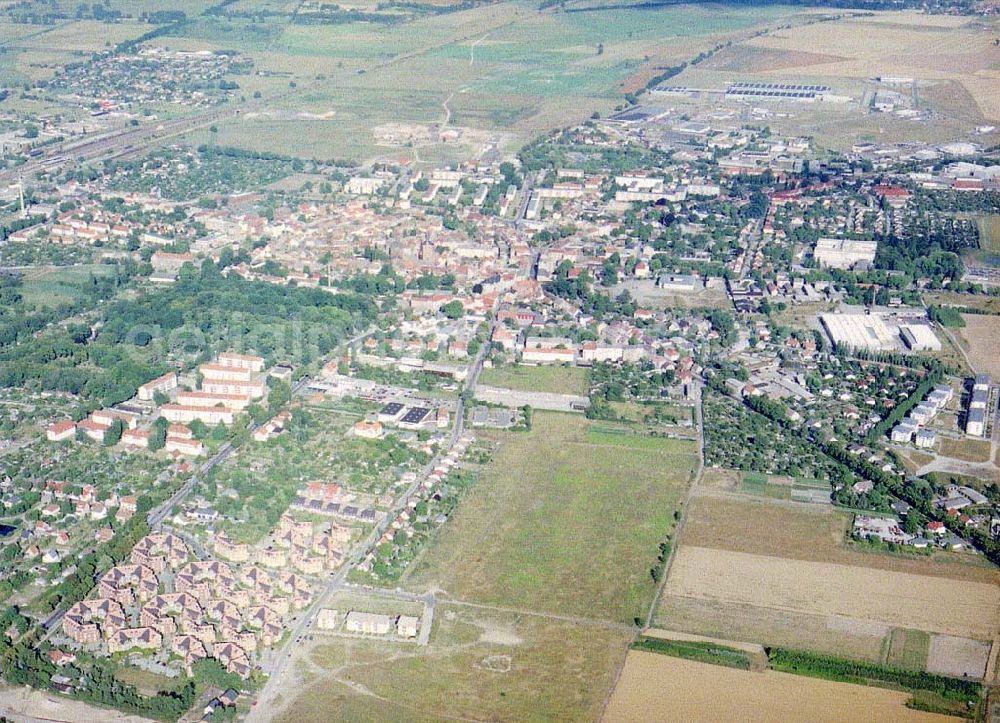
280 659
752 234
159 514
522 206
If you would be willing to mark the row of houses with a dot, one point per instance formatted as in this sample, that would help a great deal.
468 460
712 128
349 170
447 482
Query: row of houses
911 428
295 544
979 400
358 622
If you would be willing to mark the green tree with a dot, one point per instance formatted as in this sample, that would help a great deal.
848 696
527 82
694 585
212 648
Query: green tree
113 434
158 434
453 309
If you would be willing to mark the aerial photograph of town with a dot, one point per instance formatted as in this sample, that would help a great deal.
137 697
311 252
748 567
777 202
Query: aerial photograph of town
499 360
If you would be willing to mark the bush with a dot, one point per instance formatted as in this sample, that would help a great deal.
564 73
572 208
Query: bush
851 671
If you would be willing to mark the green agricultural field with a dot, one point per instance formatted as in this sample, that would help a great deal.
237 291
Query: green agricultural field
907 649
84 36
562 521
556 379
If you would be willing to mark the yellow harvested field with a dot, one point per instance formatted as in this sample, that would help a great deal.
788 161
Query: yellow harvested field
809 532
656 687
967 609
981 342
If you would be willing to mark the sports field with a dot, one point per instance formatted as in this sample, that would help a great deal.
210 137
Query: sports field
553 379
657 687
562 522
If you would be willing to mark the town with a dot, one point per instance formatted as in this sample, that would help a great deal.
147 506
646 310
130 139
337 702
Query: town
273 422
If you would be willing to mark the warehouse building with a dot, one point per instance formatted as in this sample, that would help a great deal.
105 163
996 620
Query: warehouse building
842 253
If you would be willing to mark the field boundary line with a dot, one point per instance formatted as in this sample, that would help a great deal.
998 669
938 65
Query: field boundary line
579 620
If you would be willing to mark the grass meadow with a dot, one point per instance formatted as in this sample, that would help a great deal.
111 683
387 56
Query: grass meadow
507 68
562 521
51 287
480 665
556 379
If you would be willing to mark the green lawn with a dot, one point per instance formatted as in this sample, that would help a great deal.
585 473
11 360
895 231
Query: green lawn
562 520
51 287
148 683
627 439
557 379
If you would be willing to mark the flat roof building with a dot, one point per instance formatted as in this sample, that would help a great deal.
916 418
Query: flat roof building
860 331
842 253
919 337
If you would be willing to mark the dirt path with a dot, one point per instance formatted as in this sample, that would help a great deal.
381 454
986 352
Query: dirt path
447 110
29 705
695 483
985 470
472 48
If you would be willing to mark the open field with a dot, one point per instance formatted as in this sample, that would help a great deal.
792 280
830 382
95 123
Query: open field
480 664
968 449
948 655
656 687
848 623
562 523
37 52
51 287
844 637
908 649
967 609
502 68
930 48
146 682
989 233
650 296
980 338
554 379
811 532
84 36
30 704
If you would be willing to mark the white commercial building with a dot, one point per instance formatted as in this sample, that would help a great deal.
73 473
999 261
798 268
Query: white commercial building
860 331
919 337
842 253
